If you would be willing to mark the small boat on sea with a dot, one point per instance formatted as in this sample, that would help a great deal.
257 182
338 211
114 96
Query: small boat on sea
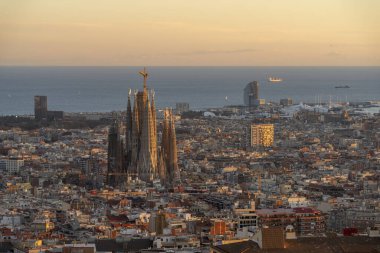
342 87
275 79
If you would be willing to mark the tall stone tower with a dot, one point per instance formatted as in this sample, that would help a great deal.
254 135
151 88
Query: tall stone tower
142 159
128 132
141 135
147 162
168 166
116 173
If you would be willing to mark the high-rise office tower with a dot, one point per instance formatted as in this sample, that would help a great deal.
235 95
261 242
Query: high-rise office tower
260 135
40 107
251 94
142 158
41 111
181 108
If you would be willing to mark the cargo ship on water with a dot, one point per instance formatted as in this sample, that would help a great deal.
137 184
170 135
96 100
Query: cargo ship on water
275 79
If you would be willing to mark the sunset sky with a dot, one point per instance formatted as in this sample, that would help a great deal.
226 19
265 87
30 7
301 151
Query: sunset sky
190 32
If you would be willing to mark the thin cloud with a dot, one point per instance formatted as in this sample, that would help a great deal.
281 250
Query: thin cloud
195 27
52 25
213 52
334 54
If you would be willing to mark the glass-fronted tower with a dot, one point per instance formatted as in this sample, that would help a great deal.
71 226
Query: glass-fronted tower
251 93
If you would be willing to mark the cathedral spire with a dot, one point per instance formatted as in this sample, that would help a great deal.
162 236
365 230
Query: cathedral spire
145 75
153 109
135 139
161 167
165 135
128 132
169 149
173 157
115 171
147 164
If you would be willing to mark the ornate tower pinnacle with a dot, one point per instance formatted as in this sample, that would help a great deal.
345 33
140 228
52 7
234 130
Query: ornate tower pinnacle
145 75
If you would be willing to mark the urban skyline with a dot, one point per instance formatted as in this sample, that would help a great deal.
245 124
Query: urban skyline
234 179
217 159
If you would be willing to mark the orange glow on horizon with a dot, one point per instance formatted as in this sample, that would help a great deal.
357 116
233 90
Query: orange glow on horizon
190 33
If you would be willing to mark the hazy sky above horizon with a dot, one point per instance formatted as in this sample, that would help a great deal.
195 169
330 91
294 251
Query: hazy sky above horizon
190 33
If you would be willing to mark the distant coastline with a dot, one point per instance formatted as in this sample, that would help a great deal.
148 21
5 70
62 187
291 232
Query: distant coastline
104 89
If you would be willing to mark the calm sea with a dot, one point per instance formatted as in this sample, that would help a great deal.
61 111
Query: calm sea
89 89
